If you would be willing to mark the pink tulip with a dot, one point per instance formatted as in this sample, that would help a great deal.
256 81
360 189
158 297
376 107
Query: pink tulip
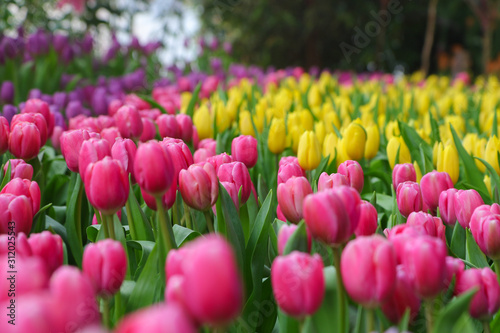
33 118
279 214
233 193
403 173
409 198
186 127
369 260
400 235
244 150
368 219
486 301
326 181
286 231
218 160
447 206
486 232
481 212
38 106
16 209
202 155
113 106
71 143
433 226
153 168
124 150
454 268
354 174
287 160
298 283
196 138
34 276
148 129
425 262
56 137
465 204
92 150
209 144
167 199
179 153
128 121
403 298
107 185
23 248
289 170
4 135
110 134
28 188
19 169
49 248
37 307
199 186
25 140
168 126
206 304
291 197
105 264
432 184
236 173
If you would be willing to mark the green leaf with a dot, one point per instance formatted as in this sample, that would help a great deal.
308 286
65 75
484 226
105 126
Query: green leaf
288 324
56 190
153 103
94 233
6 178
193 101
447 317
56 227
145 247
183 235
457 245
298 240
137 220
473 252
74 220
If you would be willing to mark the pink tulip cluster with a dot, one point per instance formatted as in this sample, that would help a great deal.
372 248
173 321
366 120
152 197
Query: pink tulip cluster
19 202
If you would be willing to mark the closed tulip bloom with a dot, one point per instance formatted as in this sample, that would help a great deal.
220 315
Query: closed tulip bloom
56 137
368 219
168 126
447 160
186 127
466 201
372 141
486 301
199 186
298 283
279 214
330 146
128 121
38 106
110 134
71 143
354 174
179 153
16 209
163 318
203 121
233 193
403 298
400 235
409 198
490 154
124 150
291 197
49 248
395 144
4 135
486 232
19 169
148 129
288 160
209 144
244 150
432 184
34 118
447 206
202 155
92 150
167 199
277 136
425 263
28 188
432 225
289 170
369 261
206 304
23 248
403 173
284 234
454 268
309 154
237 173
105 263
25 141
35 277
481 212
329 218
153 168
107 185
326 181
355 141
219 160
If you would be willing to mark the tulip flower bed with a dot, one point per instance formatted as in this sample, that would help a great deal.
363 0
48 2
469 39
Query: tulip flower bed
284 203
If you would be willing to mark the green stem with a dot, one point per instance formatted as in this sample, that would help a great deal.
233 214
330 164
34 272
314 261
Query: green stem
370 320
429 304
104 226
208 219
341 290
111 226
175 212
130 219
497 268
105 313
165 226
98 216
486 327
118 305
187 215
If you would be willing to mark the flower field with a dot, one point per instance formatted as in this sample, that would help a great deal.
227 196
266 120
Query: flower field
243 200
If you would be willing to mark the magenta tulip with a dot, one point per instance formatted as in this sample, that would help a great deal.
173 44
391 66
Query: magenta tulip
186 127
465 204
35 276
23 248
24 140
327 181
199 186
71 143
128 121
33 118
432 184
433 226
28 188
19 169
110 134
15 212
354 174
284 234
481 212
454 268
179 153
218 160
486 232
400 235
168 126
153 168
368 219
447 206
148 129
236 173
291 196
167 199
4 135
409 198
289 170
38 106
486 301
49 248
403 173
244 150
124 150
92 150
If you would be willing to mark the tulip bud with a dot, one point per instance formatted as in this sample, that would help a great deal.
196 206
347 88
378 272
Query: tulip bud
486 301
164 318
447 160
309 154
24 140
277 136
195 264
332 215
447 206
403 173
233 193
199 186
153 168
92 150
179 153
326 181
168 126
34 279
110 134
128 121
403 298
4 135
105 263
148 129
33 118
400 235
41 107
289 170
168 199
454 268
244 150
486 232
432 184
107 185
19 169
395 144
369 260
237 173
286 231
368 219
186 127
28 188
409 198
330 146
354 174
71 143
291 196
465 204
209 144
49 248
433 226
355 141
372 141
23 248
124 150
425 262
491 153
298 283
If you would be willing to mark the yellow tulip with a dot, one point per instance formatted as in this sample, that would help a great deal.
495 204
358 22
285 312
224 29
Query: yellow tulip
314 96
330 146
331 119
276 140
372 141
393 145
392 129
320 131
202 119
309 154
491 153
447 160
355 141
417 171
487 182
246 127
293 137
